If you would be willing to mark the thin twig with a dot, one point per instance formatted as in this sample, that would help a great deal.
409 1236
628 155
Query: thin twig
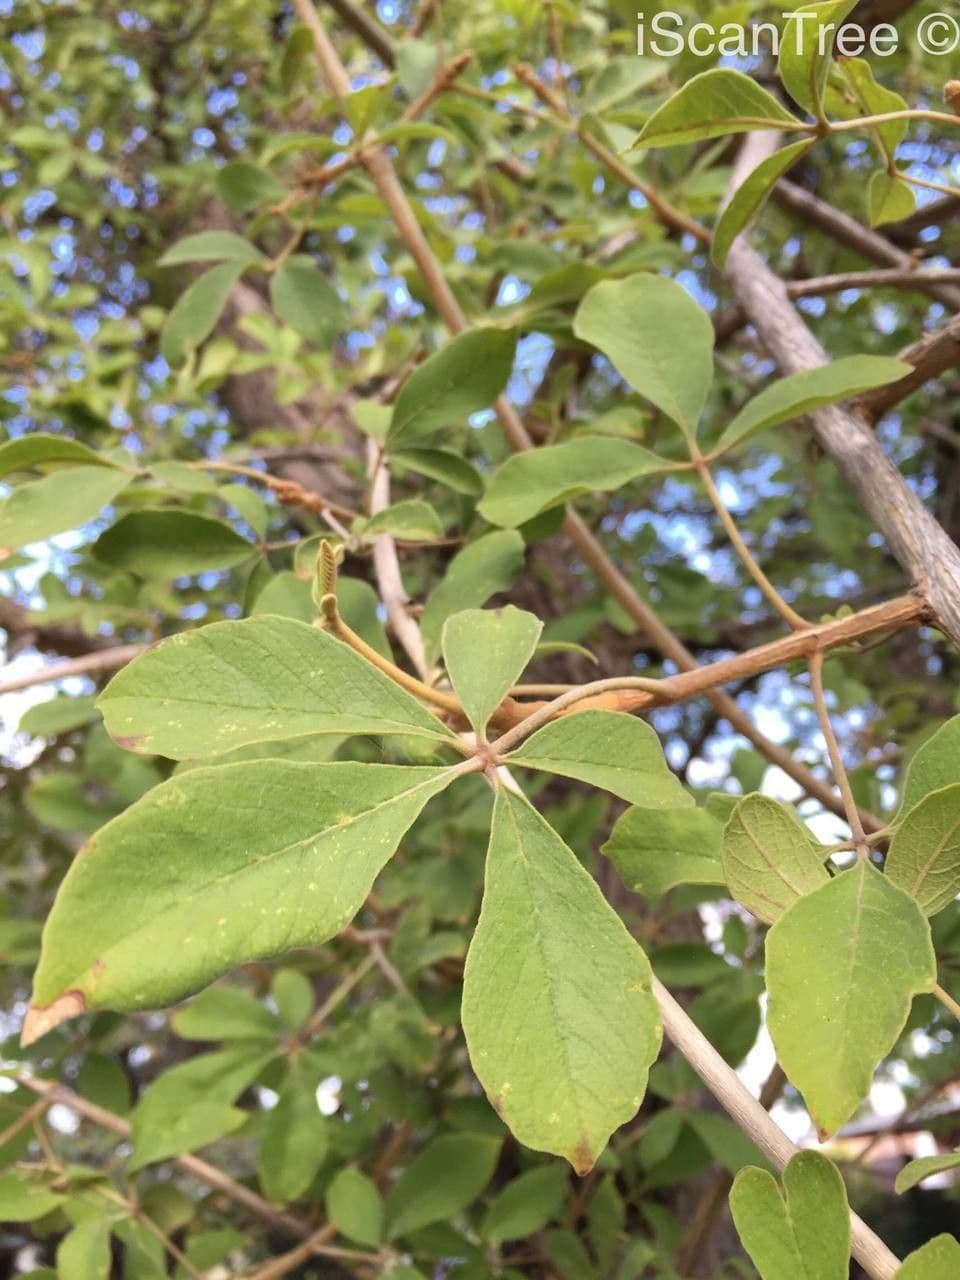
786 611
836 758
947 1000
87 665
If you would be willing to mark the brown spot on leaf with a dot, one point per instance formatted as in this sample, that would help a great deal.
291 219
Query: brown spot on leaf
130 744
497 1103
582 1157
43 1018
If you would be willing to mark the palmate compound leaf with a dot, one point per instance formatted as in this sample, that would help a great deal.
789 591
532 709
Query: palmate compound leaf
216 867
843 964
608 749
770 859
924 856
558 1013
804 1232
207 691
484 652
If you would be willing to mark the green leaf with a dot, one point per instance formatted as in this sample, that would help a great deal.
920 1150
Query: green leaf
526 1204
212 246
295 1139
934 765
938 1259
843 964
412 519
55 504
806 51
163 542
655 850
607 749
728 1144
484 653
205 692
84 1252
245 186
304 298
190 1105
461 378
770 859
293 995
712 105
22 1200
286 596
803 1232
750 197
39 450
913 1174
354 1206
197 310
874 99
924 855
656 337
889 199
59 715
225 1013
443 1179
811 389
479 571
450 469
216 867
562 1048
535 481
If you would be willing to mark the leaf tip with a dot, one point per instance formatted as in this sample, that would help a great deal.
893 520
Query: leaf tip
583 1157
43 1018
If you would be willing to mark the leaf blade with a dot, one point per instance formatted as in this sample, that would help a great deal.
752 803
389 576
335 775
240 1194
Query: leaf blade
485 651
656 337
564 1059
711 105
263 679
924 854
306 839
593 747
464 376
530 483
830 1017
770 859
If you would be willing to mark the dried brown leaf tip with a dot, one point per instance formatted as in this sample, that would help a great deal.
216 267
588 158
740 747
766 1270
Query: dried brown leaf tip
41 1019
951 96
583 1157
